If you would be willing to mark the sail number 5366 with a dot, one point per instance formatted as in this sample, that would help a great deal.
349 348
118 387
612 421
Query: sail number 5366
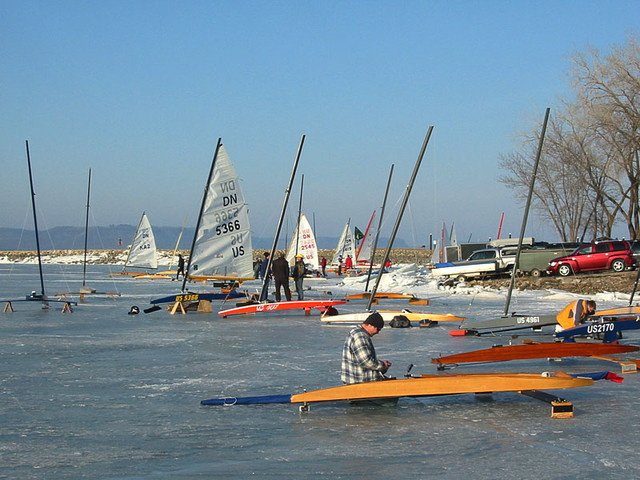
228 227
224 215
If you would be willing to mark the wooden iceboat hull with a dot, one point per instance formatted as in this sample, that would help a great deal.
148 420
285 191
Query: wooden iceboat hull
633 310
424 386
535 350
388 315
397 296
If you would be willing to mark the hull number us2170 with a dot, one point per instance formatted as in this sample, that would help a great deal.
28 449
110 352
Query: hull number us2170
600 328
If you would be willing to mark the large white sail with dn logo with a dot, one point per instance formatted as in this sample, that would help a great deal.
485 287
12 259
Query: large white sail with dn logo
222 246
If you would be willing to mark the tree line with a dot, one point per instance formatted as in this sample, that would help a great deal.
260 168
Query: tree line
588 180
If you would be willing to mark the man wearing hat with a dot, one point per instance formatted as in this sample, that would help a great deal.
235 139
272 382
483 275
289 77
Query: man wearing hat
298 275
359 360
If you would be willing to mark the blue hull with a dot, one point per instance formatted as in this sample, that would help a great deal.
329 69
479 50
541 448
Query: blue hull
195 297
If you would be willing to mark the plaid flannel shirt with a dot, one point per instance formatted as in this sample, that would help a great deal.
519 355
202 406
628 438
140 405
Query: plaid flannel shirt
359 361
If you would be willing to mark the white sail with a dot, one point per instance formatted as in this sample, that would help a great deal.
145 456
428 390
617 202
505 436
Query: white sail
435 255
142 253
366 245
223 240
304 242
346 246
453 236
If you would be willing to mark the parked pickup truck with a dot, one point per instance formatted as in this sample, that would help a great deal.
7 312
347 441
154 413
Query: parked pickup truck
481 263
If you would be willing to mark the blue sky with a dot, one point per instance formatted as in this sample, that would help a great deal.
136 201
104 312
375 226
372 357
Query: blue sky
140 91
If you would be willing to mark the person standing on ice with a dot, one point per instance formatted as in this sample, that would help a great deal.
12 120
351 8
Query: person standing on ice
299 270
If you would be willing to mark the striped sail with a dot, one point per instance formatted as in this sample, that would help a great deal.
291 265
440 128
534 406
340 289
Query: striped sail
223 241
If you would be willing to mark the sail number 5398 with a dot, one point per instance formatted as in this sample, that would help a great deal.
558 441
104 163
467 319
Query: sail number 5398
228 227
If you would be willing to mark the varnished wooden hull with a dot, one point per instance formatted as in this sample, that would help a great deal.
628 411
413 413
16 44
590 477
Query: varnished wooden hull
535 350
428 385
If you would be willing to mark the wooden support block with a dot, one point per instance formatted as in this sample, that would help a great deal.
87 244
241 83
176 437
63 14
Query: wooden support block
417 301
67 308
627 366
175 308
204 306
8 308
562 409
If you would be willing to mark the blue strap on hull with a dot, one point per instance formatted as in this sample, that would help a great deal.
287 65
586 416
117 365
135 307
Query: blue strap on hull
228 401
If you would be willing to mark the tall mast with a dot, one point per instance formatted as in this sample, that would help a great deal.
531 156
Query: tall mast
178 242
86 232
35 219
204 199
299 213
375 242
282 212
526 212
400 213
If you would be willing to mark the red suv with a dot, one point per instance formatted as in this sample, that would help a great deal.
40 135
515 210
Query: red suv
609 254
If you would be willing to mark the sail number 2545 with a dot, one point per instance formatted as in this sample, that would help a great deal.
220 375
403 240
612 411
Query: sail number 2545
228 227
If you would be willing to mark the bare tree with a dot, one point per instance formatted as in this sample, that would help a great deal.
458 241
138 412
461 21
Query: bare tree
608 90
589 176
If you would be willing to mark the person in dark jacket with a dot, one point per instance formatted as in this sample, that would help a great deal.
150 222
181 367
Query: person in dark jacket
298 275
280 269
265 275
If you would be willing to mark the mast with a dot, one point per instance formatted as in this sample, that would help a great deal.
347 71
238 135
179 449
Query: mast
400 213
442 245
86 232
35 220
284 208
375 242
202 205
635 286
299 213
178 242
526 212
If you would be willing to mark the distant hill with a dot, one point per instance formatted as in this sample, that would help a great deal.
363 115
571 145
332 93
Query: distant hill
110 237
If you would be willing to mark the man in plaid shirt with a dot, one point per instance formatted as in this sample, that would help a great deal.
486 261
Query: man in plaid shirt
359 361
